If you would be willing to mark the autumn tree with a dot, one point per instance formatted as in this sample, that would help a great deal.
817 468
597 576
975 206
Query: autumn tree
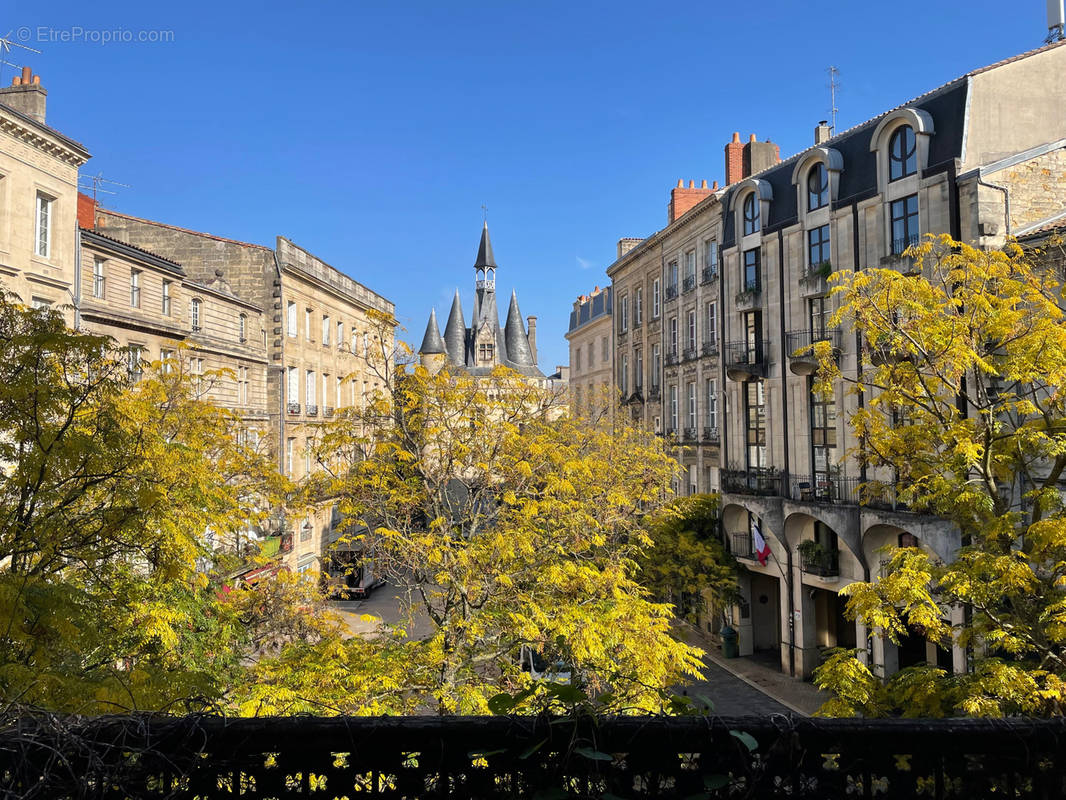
513 525
120 507
964 364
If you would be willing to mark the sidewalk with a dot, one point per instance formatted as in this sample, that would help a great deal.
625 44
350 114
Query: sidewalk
799 696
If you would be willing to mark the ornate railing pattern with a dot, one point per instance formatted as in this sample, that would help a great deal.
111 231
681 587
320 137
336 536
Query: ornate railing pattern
505 757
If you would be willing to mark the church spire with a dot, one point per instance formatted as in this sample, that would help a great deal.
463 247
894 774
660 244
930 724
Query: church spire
455 334
514 334
485 259
432 343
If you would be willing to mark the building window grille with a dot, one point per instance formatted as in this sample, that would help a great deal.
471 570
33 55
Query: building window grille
904 216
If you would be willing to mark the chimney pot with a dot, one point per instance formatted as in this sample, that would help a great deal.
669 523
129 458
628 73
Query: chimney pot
692 184
714 186
36 80
27 73
752 139
680 183
16 81
736 136
704 184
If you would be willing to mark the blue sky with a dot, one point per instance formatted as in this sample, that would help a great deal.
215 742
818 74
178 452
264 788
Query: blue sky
372 133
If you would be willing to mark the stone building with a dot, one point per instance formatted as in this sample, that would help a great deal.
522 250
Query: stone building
981 157
484 345
325 340
591 335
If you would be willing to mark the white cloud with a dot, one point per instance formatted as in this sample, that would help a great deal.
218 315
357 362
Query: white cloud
584 263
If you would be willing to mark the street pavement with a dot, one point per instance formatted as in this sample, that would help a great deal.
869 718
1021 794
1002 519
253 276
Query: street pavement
730 696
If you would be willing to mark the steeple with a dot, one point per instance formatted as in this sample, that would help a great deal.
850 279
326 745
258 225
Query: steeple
518 352
455 334
485 265
432 343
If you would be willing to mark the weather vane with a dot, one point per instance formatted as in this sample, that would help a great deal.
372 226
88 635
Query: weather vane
484 213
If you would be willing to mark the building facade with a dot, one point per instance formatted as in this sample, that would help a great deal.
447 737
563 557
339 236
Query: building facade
591 339
981 158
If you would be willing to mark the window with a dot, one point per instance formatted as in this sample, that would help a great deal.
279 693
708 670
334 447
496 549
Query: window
656 299
242 385
823 437
325 330
166 298
673 336
197 370
710 324
817 187
290 318
710 256
817 247
673 408
577 359
135 288
751 281
690 269
305 531
43 242
638 305
691 405
292 383
818 315
904 214
310 384
242 328
325 388
167 357
40 303
290 450
638 369
337 391
592 354
605 349
755 418
355 341
691 341
623 375
751 214
753 336
340 334
712 403
902 153
656 365
671 280
307 325
486 352
195 314
98 277
623 313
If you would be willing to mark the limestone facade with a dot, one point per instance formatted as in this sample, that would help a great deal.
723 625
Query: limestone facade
590 336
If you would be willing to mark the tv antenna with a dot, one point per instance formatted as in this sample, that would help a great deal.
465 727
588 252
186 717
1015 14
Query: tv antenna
834 85
5 47
97 189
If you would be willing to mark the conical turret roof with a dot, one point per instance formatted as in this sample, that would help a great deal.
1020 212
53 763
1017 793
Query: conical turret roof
518 350
485 259
432 343
455 333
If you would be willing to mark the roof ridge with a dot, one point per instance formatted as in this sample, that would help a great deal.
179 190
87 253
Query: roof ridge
184 230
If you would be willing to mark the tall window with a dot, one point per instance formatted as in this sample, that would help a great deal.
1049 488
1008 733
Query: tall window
242 385
195 313
755 419
673 336
133 362
823 438
592 355
712 403
325 330
691 328
290 318
355 340
165 306
135 288
638 369
656 364
638 305
753 336
690 268
292 385
710 323
902 153
817 187
904 213
818 247
310 383
197 370
751 270
605 350
308 330
691 405
623 375
43 240
337 392
340 335
656 299
242 328
623 313
486 352
577 359
818 314
710 257
751 214
673 408
325 388
98 277
290 452
671 277
167 357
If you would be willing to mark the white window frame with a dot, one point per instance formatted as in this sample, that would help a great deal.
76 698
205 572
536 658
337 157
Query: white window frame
712 403
673 407
196 314
656 298
165 301
692 405
43 216
638 305
325 330
291 322
310 387
99 277
292 380
692 338
135 288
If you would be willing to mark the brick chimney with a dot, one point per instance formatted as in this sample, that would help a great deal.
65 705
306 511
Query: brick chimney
682 199
25 94
86 212
744 159
822 132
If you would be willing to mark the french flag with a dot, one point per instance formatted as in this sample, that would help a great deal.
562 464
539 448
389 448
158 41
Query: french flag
762 549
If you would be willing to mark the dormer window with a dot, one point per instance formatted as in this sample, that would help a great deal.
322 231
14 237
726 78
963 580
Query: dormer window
817 187
486 353
902 153
751 214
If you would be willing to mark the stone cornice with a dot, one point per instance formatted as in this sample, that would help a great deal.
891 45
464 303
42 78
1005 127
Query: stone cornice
41 137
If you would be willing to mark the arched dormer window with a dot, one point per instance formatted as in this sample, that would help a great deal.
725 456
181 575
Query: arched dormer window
751 214
817 187
902 153
196 315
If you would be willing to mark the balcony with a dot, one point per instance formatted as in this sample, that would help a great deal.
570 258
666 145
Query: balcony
312 410
708 275
825 487
689 283
817 559
745 360
740 545
671 292
690 353
688 434
748 298
760 481
710 348
671 359
293 408
654 393
899 246
327 411
806 363
711 435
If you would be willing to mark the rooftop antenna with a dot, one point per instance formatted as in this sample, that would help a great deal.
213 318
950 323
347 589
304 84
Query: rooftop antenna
1055 20
833 86
6 44
96 180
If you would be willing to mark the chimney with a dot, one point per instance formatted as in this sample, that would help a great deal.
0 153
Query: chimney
682 198
86 212
822 132
26 95
626 244
734 161
532 336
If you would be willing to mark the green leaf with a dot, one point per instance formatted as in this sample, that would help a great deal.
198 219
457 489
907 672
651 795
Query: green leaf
747 739
594 755
501 704
532 749
485 753
712 782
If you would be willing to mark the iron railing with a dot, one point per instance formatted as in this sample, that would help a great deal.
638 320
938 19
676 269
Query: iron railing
821 561
740 545
901 244
710 348
327 411
312 410
654 393
746 353
671 292
711 434
671 358
764 481
689 283
708 275
778 756
797 340
689 353
824 487
689 434
293 408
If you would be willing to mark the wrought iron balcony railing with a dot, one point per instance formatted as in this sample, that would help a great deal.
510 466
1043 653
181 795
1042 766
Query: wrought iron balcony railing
312 410
710 348
671 292
293 408
671 358
689 434
689 353
817 559
689 283
708 275
901 244
763 481
327 411
711 434
825 487
746 359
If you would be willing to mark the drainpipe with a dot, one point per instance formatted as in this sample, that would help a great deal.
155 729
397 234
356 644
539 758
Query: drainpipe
1006 197
785 434
77 276
858 336
284 395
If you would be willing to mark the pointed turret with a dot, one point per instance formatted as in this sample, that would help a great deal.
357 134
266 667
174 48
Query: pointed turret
432 343
485 259
518 350
455 334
